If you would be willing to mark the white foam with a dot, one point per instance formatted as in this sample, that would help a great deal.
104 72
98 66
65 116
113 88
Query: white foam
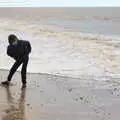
50 52
50 56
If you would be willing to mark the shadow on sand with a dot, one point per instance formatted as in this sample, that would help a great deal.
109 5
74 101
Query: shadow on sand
16 108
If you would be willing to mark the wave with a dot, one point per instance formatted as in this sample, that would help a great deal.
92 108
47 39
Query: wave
100 18
57 49
72 35
54 30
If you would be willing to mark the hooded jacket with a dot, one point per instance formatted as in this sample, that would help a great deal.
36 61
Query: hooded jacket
18 50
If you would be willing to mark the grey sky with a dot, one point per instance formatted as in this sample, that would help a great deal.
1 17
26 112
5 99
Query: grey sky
60 3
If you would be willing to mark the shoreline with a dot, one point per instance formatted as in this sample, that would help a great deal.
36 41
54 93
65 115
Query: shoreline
62 53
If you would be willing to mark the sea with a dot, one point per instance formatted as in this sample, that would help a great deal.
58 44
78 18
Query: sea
53 32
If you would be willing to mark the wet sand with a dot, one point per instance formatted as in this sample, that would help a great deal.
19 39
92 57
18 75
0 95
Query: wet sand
53 97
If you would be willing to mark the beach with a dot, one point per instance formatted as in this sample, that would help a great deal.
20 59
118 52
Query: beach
53 97
74 68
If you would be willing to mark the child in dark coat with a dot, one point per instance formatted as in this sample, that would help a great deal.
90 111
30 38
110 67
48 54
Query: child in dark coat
18 50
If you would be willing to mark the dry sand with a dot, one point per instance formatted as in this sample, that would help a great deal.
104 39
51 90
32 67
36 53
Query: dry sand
53 97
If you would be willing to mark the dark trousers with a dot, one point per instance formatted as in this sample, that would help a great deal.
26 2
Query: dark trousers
24 61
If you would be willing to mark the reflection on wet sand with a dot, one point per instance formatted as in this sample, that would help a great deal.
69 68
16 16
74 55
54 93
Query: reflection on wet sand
16 110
